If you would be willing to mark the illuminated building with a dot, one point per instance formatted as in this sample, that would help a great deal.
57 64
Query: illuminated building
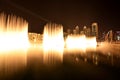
77 29
35 37
88 32
74 32
117 36
110 36
68 31
95 30
85 30
81 32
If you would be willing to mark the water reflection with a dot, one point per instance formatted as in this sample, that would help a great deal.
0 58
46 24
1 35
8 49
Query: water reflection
100 59
15 53
13 43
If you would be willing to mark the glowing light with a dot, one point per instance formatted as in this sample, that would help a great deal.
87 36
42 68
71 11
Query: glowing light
76 42
13 33
91 43
80 43
53 43
13 42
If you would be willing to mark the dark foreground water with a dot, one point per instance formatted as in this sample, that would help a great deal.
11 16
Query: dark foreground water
94 66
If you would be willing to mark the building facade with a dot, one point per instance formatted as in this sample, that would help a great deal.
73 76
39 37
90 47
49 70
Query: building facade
95 30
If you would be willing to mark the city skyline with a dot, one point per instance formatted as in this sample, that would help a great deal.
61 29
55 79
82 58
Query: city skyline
42 40
68 13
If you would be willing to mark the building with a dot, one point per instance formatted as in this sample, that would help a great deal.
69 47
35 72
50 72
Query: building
117 35
35 38
68 31
110 38
74 32
95 30
85 30
77 30
88 32
81 32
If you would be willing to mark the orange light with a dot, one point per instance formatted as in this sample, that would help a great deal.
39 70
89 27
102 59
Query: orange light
13 43
53 43
13 33
80 43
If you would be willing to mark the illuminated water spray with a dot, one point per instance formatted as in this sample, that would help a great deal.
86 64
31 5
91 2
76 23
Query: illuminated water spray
80 43
13 42
76 43
53 43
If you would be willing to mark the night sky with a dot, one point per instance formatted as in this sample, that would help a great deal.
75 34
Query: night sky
69 13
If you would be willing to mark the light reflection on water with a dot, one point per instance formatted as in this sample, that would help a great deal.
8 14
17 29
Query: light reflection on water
13 60
35 55
94 57
98 58
13 43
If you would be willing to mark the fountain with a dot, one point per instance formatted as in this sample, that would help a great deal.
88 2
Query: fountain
13 43
53 43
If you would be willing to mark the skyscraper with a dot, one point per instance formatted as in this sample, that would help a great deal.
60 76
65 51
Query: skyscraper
77 30
85 30
68 31
74 32
88 32
95 30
